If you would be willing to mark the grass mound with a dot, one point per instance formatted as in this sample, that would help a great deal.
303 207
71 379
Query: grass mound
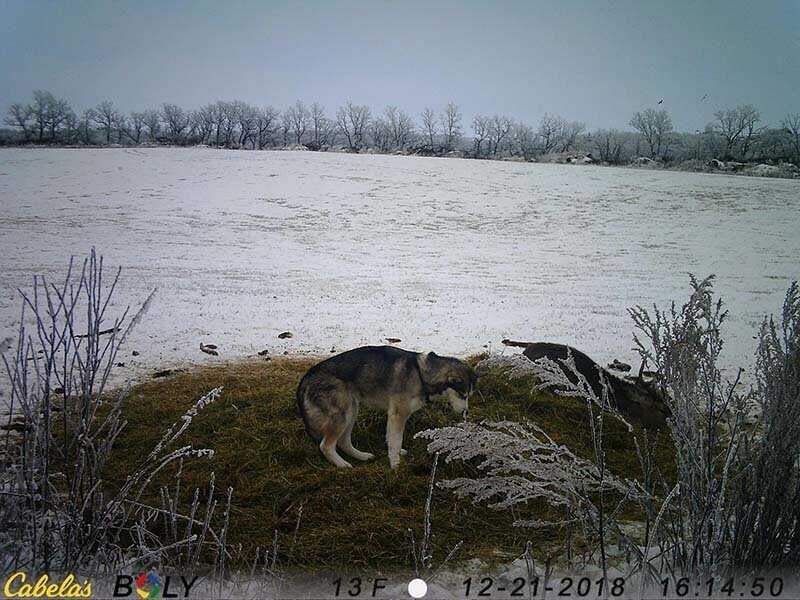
355 518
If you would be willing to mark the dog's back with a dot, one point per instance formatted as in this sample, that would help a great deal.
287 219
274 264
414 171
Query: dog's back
374 373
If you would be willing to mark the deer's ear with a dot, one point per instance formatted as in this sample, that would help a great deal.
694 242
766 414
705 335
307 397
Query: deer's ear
641 370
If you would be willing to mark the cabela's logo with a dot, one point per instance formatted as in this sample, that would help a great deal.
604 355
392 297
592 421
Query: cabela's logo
17 586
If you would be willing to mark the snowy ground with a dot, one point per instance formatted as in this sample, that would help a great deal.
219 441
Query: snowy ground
342 250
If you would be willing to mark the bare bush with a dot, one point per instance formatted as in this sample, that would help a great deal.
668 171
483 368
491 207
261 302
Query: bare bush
522 463
739 499
735 508
56 509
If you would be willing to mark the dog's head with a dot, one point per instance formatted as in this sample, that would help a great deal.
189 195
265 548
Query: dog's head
449 378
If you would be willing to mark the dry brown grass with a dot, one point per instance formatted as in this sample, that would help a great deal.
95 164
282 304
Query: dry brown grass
356 518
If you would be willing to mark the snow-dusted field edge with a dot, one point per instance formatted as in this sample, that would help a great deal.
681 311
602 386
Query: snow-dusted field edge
343 250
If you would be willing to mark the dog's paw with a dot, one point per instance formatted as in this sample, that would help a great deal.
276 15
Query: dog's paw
366 456
403 452
346 465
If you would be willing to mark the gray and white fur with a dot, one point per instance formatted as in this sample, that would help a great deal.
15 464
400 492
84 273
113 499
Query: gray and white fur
396 381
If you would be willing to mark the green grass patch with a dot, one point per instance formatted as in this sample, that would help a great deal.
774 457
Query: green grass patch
355 518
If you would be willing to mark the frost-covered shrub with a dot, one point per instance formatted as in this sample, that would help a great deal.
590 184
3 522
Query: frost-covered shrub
736 505
766 523
57 513
707 421
522 463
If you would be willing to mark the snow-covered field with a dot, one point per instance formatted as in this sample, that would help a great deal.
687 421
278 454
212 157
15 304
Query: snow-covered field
343 250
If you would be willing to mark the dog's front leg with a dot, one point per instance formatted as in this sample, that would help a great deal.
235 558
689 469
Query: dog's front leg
394 436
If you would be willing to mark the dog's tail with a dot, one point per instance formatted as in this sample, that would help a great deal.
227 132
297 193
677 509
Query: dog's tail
302 398
516 344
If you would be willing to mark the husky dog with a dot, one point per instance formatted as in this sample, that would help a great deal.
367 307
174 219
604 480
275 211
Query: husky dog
384 377
636 398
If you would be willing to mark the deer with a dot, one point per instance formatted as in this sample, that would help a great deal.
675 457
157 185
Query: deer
640 399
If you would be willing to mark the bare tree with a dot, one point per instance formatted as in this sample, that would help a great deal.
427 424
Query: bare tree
20 116
791 126
391 120
400 127
299 119
248 117
551 128
152 121
405 130
610 145
38 110
569 135
320 127
120 126
286 128
105 115
773 144
176 121
499 128
266 127
203 121
524 140
219 113
380 134
654 126
429 126
69 133
57 111
451 126
480 125
84 132
230 114
352 119
135 127
737 128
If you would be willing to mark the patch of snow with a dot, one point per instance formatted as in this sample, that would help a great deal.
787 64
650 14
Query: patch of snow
345 249
765 170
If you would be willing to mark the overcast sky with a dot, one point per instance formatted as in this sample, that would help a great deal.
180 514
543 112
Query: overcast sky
592 61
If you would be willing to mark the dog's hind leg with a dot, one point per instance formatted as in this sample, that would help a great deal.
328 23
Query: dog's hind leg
331 435
346 444
328 448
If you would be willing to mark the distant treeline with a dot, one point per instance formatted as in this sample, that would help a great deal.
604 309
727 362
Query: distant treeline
736 134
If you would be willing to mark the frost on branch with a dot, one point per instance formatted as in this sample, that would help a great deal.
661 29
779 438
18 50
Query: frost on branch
521 463
57 511
514 365
561 376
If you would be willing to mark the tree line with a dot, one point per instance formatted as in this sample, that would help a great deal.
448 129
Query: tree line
736 134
